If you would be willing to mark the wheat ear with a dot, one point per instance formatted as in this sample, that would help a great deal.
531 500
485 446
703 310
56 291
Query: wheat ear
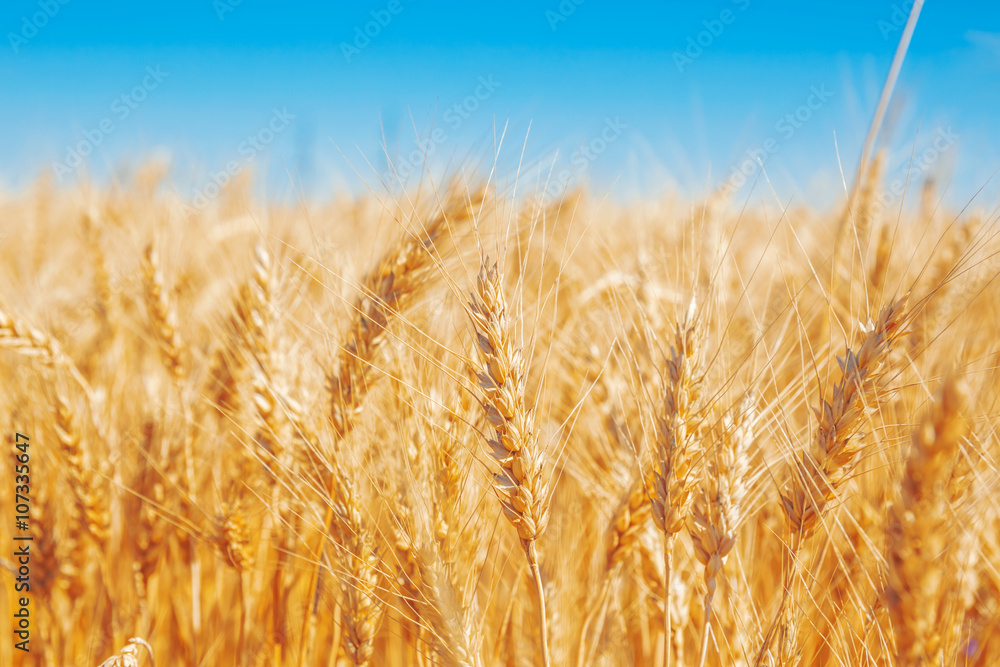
256 315
452 638
633 512
129 655
674 447
718 506
232 539
162 315
918 531
823 468
501 375
385 292
30 342
827 464
360 574
91 503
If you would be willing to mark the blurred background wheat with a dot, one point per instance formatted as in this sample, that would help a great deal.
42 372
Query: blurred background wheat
255 449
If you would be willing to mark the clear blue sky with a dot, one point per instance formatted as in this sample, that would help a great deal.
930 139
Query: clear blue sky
672 114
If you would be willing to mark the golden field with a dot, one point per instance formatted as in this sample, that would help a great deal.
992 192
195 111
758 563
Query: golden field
465 426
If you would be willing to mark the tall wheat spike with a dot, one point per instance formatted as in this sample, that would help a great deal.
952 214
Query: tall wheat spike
719 505
676 440
918 532
501 374
820 470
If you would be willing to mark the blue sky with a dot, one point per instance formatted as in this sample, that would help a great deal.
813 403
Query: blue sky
665 95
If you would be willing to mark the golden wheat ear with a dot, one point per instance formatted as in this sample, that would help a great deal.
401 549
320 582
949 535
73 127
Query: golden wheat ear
822 469
360 574
386 292
676 442
918 544
819 472
162 314
21 338
719 505
501 374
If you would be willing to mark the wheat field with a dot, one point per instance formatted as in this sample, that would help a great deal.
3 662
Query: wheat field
462 425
